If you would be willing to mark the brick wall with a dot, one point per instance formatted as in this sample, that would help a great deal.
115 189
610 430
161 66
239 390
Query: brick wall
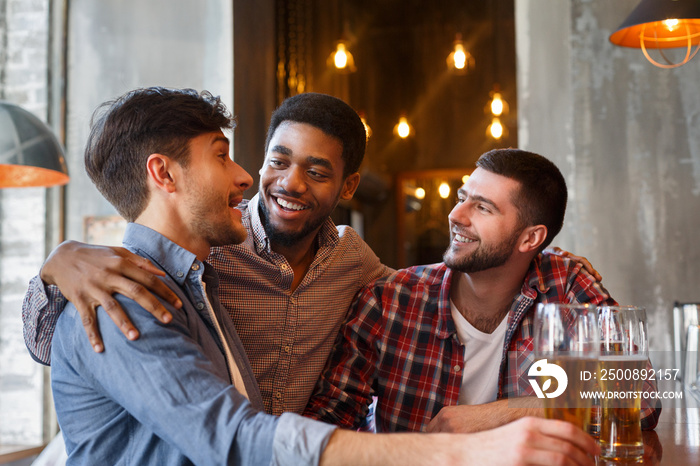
23 81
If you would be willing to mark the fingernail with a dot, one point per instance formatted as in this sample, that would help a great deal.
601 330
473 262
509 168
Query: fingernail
133 334
166 318
98 348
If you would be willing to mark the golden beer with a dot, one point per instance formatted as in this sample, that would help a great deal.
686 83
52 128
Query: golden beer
569 406
620 380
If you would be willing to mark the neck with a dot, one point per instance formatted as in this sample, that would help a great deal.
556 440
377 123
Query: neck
172 227
484 298
300 256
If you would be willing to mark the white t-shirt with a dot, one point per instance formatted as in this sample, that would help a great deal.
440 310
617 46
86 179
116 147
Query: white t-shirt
482 360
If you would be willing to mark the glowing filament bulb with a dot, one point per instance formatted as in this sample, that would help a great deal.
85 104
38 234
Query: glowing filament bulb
496 129
465 178
459 57
671 24
444 190
341 57
420 193
403 129
497 104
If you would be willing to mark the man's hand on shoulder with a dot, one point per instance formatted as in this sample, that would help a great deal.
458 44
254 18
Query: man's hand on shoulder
89 276
580 259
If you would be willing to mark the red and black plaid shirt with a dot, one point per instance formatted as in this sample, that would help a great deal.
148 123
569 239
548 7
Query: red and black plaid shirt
400 345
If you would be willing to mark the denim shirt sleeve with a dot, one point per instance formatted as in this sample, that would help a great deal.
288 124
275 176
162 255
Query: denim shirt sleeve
163 381
40 309
299 440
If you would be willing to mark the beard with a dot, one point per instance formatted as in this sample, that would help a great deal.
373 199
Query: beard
485 257
286 238
214 223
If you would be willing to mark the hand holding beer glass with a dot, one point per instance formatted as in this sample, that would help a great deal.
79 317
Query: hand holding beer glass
566 345
623 360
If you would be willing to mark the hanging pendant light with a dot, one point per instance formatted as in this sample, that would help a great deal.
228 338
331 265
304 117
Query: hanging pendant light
496 130
30 154
403 129
662 24
460 61
341 60
497 106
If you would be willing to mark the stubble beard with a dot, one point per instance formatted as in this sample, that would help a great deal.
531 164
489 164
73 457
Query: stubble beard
484 258
285 238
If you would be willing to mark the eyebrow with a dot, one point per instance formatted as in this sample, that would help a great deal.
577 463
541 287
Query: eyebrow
284 150
478 198
223 139
311 160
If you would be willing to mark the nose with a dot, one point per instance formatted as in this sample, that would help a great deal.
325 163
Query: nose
293 180
460 214
242 178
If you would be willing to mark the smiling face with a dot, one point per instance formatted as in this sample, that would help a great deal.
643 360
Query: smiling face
214 187
301 182
484 225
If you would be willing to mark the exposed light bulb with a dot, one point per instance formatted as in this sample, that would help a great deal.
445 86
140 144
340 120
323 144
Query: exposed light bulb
403 129
341 57
497 104
496 128
671 24
459 57
444 190
465 178
420 193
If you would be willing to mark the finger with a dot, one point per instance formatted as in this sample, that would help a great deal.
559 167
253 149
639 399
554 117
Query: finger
137 292
88 318
118 316
554 451
141 262
138 289
588 266
569 432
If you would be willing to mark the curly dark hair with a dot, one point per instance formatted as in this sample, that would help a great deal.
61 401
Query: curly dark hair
332 116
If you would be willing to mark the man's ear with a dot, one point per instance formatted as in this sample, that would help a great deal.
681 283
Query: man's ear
532 238
350 186
160 172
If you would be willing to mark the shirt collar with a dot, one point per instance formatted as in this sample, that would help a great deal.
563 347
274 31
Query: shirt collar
535 280
175 260
327 235
446 325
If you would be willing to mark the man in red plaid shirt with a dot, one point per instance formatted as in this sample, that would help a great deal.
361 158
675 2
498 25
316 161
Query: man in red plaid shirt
444 346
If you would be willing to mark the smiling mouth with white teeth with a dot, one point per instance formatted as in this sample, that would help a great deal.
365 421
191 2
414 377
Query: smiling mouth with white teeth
463 239
289 205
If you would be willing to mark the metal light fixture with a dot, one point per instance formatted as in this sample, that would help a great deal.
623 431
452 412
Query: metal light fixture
662 24
30 154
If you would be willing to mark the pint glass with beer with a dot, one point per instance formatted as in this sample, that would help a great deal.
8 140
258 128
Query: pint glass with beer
623 360
566 346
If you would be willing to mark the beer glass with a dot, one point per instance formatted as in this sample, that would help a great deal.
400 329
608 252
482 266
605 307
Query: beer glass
566 346
621 374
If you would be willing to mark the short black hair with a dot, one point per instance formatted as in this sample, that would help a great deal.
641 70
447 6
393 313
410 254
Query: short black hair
332 116
542 197
125 131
